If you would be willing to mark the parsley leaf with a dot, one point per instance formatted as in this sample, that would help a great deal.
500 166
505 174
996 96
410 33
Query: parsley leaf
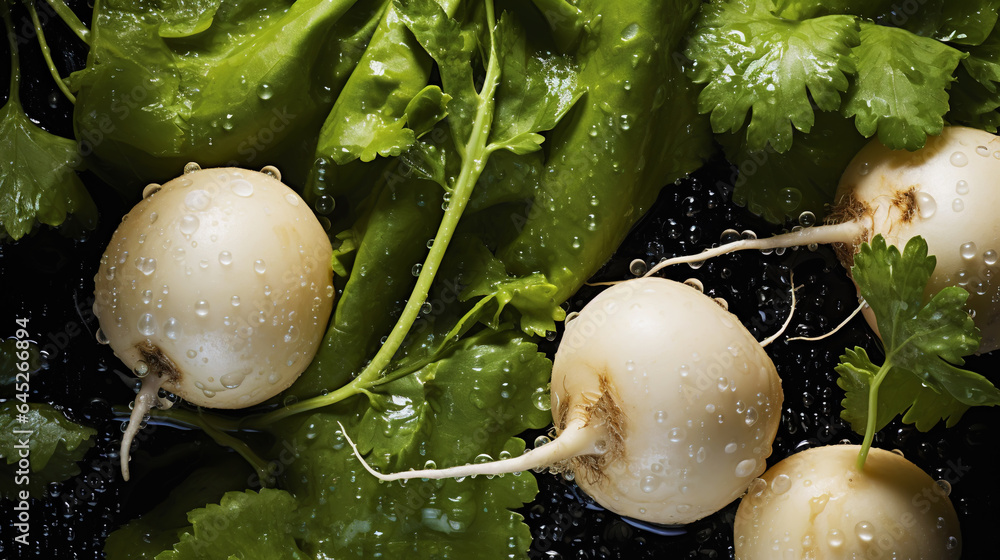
901 87
752 60
925 340
966 23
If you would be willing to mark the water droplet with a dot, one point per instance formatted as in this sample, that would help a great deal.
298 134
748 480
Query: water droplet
201 308
324 204
415 271
630 31
191 353
264 92
751 416
836 539
235 301
241 187
790 198
150 189
292 199
864 529
746 467
172 328
145 266
152 217
197 200
952 543
990 257
272 171
982 151
968 250
945 486
542 440
637 267
101 337
696 284
141 369
723 383
807 219
649 484
926 205
147 296
191 167
959 159
232 379
677 435
189 224
699 456
259 266
430 243
781 484
962 187
146 325
957 205
225 258
660 416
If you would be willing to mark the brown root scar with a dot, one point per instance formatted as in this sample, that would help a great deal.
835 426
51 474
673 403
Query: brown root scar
158 362
607 412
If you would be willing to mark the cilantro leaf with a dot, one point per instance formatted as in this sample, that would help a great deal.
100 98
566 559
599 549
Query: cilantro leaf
901 87
752 60
55 444
257 523
925 340
779 187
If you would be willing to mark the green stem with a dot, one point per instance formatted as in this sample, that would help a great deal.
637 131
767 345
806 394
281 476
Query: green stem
15 68
872 414
473 163
47 53
240 446
69 18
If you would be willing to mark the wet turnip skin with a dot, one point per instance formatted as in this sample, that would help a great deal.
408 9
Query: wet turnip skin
817 505
947 192
692 398
220 281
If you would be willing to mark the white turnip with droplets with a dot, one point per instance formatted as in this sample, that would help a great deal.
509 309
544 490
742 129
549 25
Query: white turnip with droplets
945 192
664 406
817 504
217 287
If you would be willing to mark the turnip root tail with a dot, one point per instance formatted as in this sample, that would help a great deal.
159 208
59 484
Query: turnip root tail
144 402
834 331
845 232
788 320
577 439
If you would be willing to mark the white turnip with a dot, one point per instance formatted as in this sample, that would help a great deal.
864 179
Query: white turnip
817 504
664 406
217 286
945 192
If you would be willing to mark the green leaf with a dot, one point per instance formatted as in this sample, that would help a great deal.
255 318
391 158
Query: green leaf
38 181
779 187
243 525
160 528
452 48
901 88
973 104
925 339
966 23
533 295
54 445
426 109
751 60
534 93
466 403
188 17
805 9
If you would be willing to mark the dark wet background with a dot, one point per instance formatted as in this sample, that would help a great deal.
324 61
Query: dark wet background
49 279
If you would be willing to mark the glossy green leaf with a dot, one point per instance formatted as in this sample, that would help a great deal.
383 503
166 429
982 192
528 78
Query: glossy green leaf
53 445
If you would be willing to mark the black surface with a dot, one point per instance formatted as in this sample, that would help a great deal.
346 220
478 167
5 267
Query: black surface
49 279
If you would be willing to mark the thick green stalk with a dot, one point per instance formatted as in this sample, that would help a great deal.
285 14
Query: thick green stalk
872 413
